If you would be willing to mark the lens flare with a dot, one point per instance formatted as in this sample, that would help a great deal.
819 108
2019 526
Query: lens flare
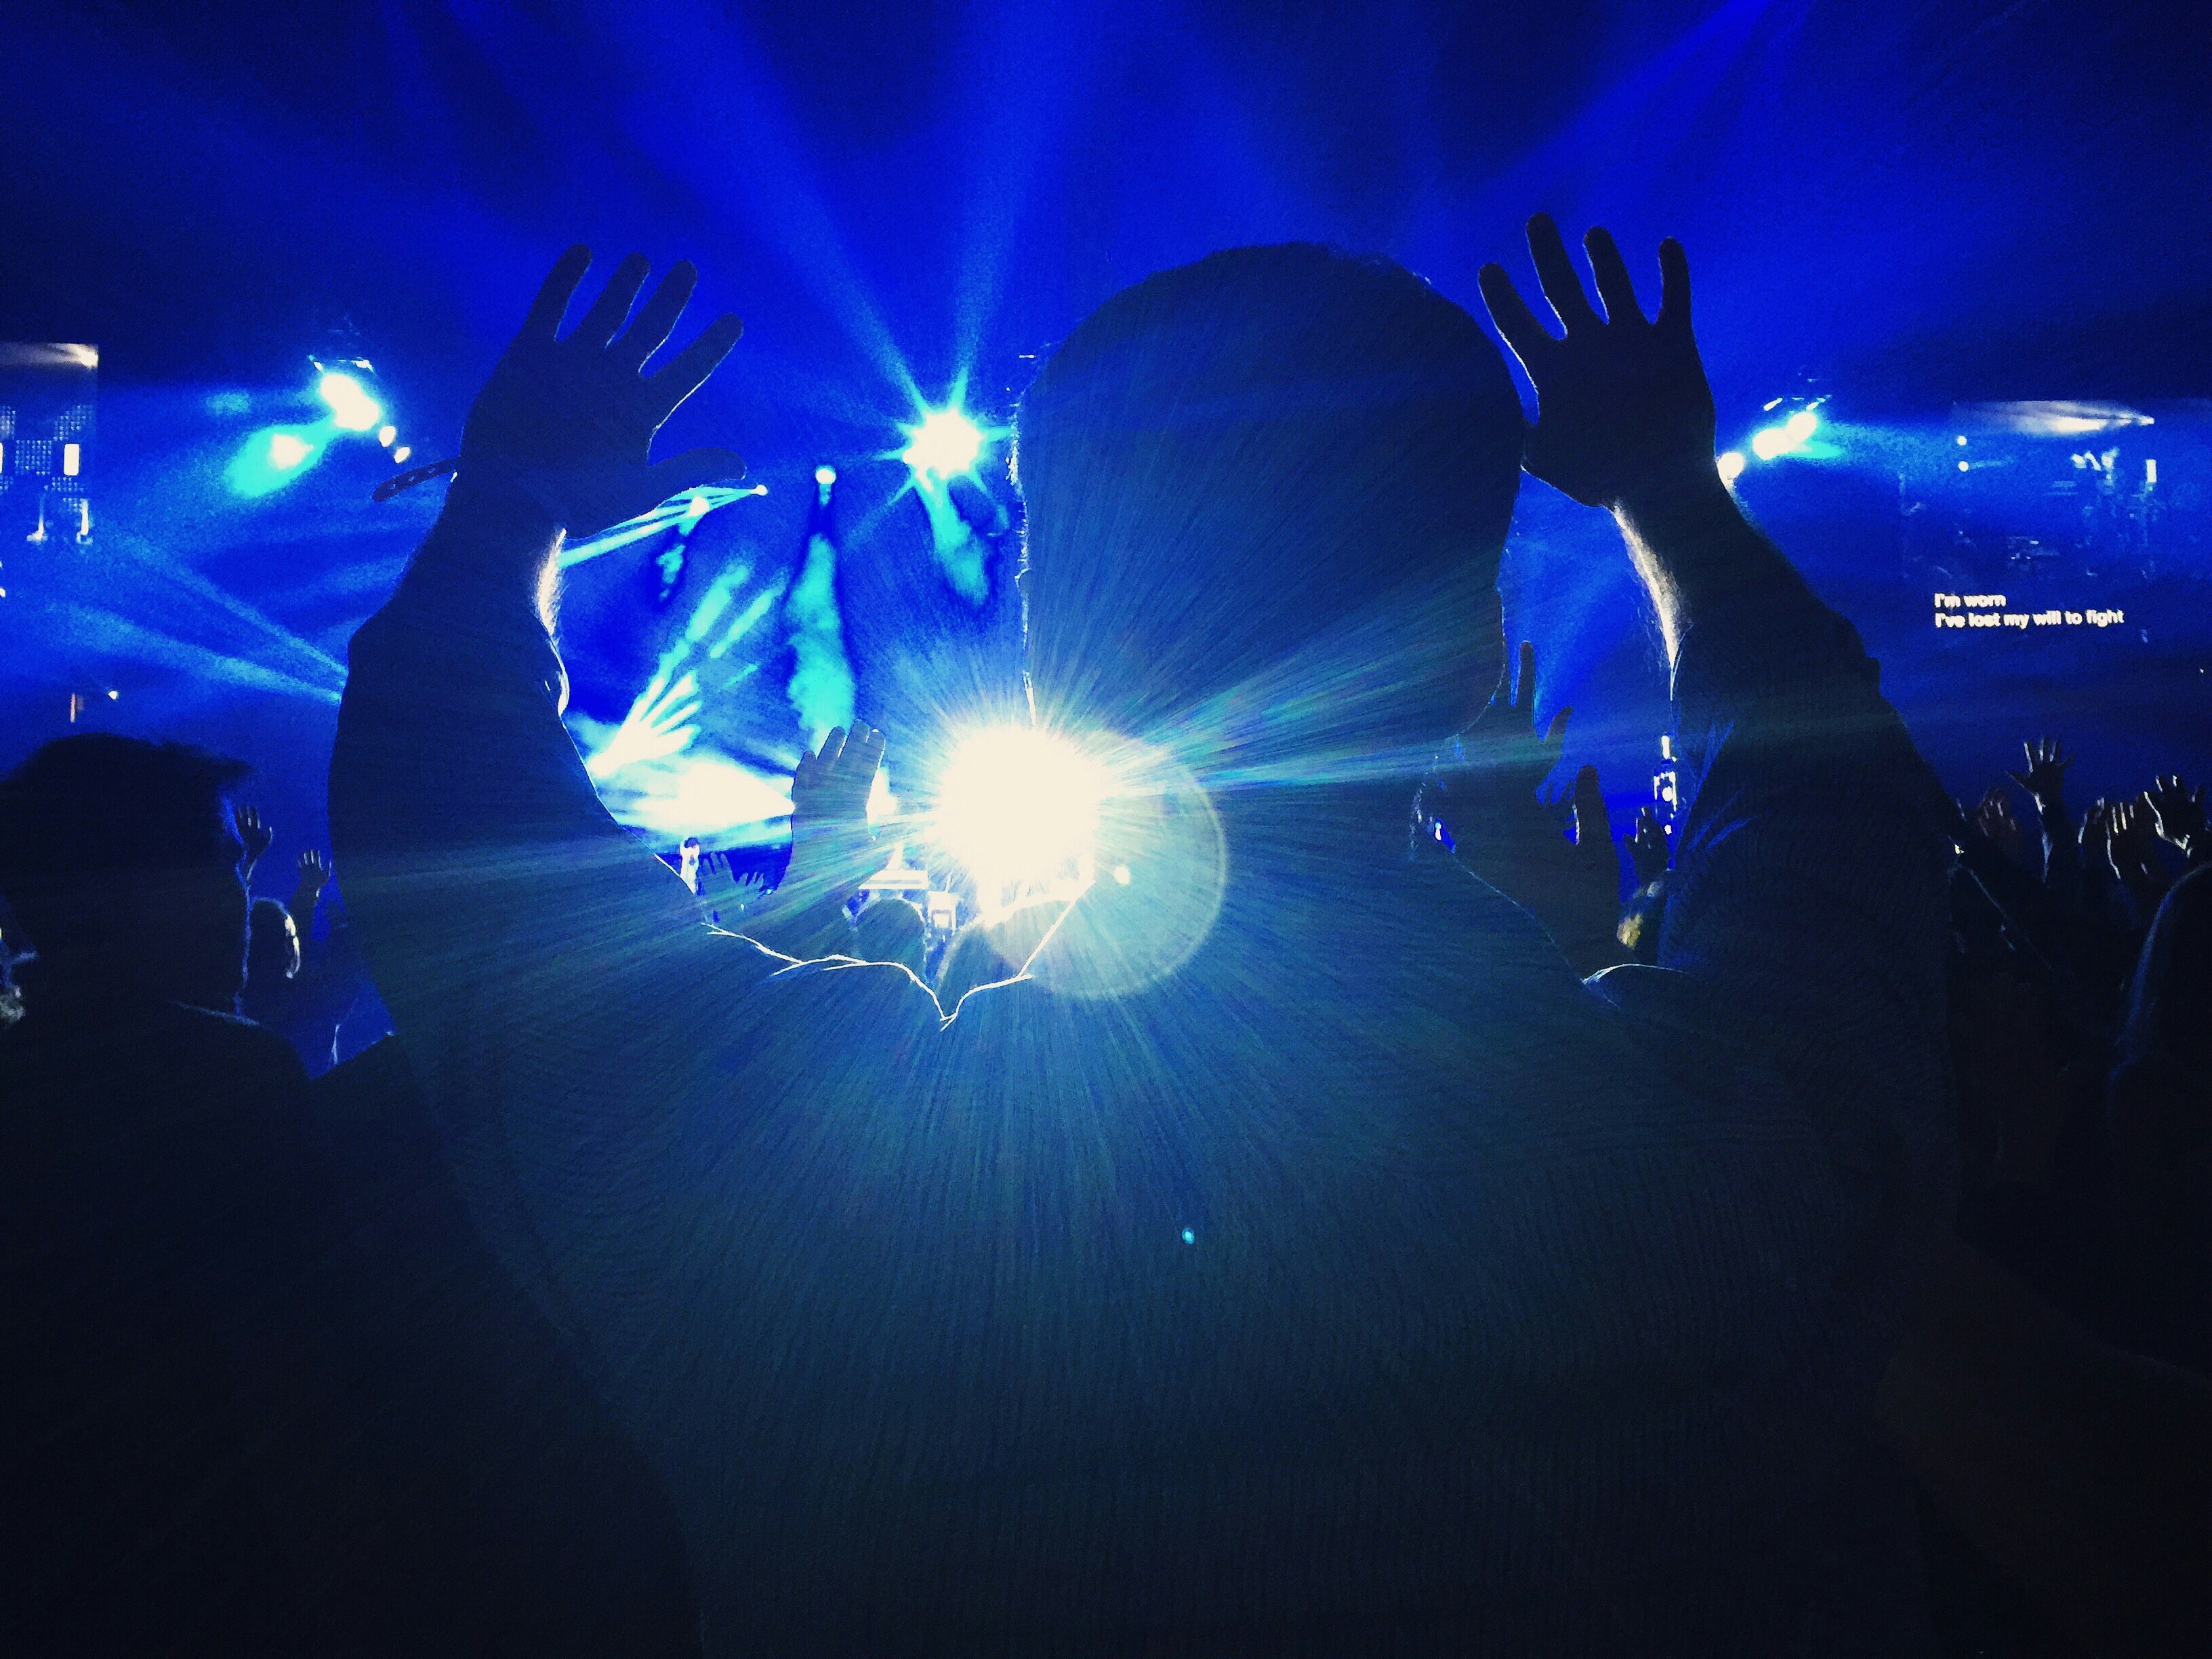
1018 808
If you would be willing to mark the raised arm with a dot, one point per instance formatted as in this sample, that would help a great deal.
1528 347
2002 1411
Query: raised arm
1809 889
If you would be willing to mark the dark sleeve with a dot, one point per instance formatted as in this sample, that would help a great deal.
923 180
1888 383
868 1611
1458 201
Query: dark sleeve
548 974
1809 892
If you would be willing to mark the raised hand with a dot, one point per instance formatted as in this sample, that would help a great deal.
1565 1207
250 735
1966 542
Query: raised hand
1624 411
2045 780
1649 854
254 832
1995 817
831 786
2132 848
315 873
2176 813
568 423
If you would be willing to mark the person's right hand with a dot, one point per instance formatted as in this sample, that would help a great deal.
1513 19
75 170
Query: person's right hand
831 786
315 873
2044 780
1624 411
569 422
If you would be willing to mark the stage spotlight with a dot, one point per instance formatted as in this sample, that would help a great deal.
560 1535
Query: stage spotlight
1018 808
697 507
945 445
384 434
1731 465
351 407
273 457
1769 441
1801 425
825 475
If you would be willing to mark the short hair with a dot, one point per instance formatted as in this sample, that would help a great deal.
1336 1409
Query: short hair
2172 982
1225 458
265 948
86 807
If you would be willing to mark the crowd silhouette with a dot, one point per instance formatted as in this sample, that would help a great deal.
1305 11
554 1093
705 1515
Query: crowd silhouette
1352 1228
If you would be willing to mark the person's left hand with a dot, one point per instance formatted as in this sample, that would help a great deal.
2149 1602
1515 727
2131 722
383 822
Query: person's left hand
2177 813
1649 854
568 423
315 873
254 831
1996 818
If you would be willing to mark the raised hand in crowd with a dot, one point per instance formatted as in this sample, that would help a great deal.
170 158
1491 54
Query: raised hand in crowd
2131 847
1501 830
314 876
2176 813
2044 782
1994 816
254 831
1648 853
832 848
1624 408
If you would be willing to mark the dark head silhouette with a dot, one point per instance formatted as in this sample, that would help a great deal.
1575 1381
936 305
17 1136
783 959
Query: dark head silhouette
1229 461
2170 1006
119 857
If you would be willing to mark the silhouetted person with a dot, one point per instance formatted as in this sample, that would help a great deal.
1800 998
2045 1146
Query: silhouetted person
1298 1256
299 987
246 1400
169 1382
2159 1120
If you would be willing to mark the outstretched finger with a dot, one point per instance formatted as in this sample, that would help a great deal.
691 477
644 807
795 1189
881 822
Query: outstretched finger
1674 285
1555 734
862 757
1614 286
687 371
614 302
1509 312
1563 286
559 287
656 319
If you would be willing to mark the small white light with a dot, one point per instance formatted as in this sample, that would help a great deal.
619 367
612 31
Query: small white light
825 475
1962 466
1962 440
402 452
1731 463
113 695
72 460
384 434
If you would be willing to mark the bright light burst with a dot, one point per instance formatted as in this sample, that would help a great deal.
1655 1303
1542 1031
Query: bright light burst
944 445
1018 808
351 407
